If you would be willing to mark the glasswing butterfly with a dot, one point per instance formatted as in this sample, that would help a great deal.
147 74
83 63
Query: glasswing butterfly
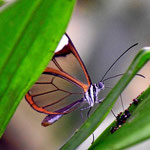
53 95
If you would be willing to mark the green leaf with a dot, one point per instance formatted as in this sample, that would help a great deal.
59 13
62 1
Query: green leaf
1 2
101 112
135 130
29 33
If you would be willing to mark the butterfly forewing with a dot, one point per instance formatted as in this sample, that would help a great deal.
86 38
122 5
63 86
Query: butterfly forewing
59 85
66 59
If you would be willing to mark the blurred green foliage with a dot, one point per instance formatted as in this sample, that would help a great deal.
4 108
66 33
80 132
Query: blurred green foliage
29 33
1 2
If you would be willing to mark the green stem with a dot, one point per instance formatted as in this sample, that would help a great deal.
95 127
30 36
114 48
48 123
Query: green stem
101 112
134 124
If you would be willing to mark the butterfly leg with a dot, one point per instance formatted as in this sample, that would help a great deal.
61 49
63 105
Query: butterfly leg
84 108
88 114
81 115
99 101
93 138
121 101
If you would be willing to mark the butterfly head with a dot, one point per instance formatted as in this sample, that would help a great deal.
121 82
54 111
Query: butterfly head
100 85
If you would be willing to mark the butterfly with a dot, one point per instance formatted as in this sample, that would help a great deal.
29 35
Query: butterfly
49 96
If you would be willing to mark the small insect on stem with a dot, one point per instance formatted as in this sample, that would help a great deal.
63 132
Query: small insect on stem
120 120
135 101
122 117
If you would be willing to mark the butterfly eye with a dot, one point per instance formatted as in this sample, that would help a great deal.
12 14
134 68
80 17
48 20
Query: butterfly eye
101 85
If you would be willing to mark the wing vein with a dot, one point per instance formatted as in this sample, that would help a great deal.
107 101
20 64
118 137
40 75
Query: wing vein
57 101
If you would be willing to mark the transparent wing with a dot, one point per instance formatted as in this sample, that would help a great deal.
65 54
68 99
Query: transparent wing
52 93
66 59
58 88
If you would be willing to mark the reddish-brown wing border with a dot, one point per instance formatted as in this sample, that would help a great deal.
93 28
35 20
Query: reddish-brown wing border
62 74
70 47
74 51
65 76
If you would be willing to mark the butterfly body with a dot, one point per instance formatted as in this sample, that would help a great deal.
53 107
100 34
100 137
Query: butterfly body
91 96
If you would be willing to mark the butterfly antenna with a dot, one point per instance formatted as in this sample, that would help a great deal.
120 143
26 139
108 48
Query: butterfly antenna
121 102
117 60
118 75
113 113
